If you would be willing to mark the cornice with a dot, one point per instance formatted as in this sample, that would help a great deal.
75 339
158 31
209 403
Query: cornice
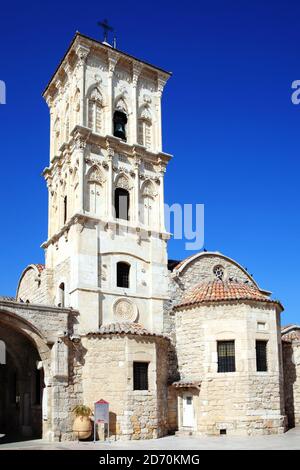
79 49
109 225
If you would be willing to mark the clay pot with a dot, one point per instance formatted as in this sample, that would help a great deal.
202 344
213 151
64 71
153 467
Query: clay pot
82 427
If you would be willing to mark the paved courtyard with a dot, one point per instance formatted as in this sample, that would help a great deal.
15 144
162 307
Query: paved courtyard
287 441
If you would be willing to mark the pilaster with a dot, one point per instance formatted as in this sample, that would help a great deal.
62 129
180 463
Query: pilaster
82 53
112 62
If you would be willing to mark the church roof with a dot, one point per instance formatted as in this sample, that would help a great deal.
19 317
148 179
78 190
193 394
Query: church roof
124 328
290 333
40 267
7 298
217 291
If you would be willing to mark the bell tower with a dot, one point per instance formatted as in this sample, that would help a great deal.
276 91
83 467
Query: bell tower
106 235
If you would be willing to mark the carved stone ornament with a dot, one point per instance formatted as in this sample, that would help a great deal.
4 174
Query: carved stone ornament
121 105
148 190
122 182
82 54
145 114
97 78
96 96
80 143
95 175
125 311
147 99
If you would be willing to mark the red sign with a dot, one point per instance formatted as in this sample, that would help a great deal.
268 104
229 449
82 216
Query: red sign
102 411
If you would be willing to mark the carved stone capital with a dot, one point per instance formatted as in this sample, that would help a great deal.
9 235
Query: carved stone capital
80 143
110 152
82 54
137 68
137 162
112 62
162 167
161 82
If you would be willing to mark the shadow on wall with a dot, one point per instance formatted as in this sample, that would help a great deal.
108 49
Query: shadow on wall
112 423
290 377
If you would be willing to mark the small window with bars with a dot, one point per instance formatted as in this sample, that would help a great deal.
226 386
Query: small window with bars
226 356
261 356
140 376
123 270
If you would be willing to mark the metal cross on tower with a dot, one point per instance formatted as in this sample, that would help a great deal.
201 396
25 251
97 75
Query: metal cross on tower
106 28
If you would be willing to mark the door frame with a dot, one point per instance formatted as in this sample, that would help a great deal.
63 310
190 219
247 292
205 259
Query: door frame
185 395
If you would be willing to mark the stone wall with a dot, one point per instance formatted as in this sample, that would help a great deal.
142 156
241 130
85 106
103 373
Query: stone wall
108 374
291 363
244 401
49 329
185 276
35 286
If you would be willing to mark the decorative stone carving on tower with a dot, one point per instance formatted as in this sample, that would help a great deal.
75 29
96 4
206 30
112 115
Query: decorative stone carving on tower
106 149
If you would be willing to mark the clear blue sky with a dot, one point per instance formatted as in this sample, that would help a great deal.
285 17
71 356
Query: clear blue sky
227 118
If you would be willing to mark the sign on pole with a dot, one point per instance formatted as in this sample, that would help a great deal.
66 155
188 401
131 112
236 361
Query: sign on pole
101 416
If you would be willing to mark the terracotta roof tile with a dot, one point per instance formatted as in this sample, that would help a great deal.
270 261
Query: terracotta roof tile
291 336
186 383
40 267
7 298
124 328
216 291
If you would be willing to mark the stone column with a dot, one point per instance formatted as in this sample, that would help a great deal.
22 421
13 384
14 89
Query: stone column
50 105
59 107
136 71
160 86
80 146
110 156
162 170
136 190
50 215
112 62
82 53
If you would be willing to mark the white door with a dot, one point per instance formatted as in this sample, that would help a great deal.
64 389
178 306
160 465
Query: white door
188 411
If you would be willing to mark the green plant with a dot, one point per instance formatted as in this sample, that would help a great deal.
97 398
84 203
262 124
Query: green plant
82 410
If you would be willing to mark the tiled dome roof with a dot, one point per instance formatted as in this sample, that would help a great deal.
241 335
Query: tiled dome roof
216 291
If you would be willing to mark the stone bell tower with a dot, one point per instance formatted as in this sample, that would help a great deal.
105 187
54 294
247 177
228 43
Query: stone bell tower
106 248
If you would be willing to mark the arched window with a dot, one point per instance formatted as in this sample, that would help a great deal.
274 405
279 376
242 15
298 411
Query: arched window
145 133
95 107
65 209
123 270
61 295
145 128
148 206
122 199
95 183
120 121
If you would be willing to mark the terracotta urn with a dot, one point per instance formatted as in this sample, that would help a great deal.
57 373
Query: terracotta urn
82 427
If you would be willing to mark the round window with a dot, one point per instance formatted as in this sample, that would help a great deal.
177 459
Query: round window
219 272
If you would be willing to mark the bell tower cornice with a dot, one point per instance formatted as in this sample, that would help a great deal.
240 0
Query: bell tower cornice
79 50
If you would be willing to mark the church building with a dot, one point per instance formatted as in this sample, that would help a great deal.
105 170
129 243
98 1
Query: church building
192 347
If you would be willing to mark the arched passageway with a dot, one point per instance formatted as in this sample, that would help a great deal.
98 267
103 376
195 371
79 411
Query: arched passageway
21 387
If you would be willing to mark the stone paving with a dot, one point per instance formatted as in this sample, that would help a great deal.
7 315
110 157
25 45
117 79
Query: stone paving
287 441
